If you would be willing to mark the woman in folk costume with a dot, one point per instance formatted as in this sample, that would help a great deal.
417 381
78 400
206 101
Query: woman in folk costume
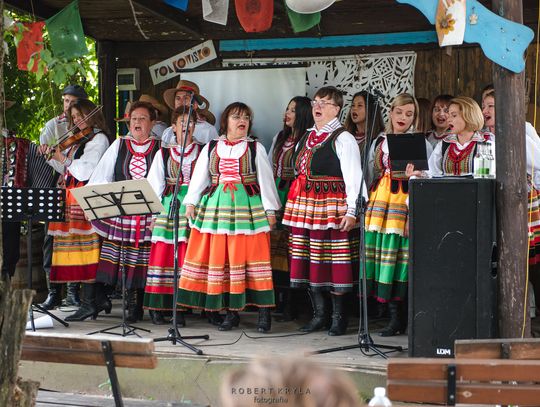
532 149
297 119
321 213
231 202
439 119
387 243
364 104
159 289
127 238
76 245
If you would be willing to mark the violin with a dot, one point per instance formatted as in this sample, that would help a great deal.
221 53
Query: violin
69 140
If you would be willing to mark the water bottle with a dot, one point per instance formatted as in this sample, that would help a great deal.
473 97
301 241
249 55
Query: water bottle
478 161
490 160
379 398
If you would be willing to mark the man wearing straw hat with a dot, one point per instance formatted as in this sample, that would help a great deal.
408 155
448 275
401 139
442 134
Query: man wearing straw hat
161 111
181 96
53 130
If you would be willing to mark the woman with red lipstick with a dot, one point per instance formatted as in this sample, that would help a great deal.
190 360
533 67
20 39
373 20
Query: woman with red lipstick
363 105
387 242
127 237
321 213
454 155
439 119
297 119
76 245
231 203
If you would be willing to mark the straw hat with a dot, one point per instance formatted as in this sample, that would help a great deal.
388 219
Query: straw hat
188 86
309 6
154 102
126 114
208 116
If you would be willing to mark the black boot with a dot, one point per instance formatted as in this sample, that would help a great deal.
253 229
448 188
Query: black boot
289 309
264 323
339 316
135 298
180 318
231 319
72 297
321 317
103 303
54 297
88 304
214 318
157 317
396 325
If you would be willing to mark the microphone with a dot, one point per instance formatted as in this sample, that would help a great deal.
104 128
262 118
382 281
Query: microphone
376 92
200 101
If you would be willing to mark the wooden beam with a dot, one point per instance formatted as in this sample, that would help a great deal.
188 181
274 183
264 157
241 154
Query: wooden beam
511 189
107 83
40 10
173 15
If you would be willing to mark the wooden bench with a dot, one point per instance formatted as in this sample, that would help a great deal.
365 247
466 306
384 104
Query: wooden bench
491 371
88 350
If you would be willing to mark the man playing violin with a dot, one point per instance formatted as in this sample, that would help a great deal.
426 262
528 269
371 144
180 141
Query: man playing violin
53 130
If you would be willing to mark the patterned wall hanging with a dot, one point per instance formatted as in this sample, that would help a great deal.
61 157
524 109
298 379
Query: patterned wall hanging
391 73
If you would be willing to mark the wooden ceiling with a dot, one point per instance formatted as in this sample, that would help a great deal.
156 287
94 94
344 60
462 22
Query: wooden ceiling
113 19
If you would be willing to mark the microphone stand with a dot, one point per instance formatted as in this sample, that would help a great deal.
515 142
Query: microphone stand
174 214
365 342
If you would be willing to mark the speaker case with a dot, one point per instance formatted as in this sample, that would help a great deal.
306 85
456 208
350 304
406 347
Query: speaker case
452 274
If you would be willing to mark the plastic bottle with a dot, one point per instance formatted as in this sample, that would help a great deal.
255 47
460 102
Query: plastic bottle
490 160
379 399
478 161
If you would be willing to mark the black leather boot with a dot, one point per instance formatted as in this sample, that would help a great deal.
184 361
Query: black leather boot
157 317
339 316
88 304
231 319
103 303
180 318
396 325
135 298
214 318
72 297
321 317
264 323
289 307
54 297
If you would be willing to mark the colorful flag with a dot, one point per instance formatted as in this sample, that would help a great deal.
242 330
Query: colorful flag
255 15
215 11
66 33
302 22
181 4
30 46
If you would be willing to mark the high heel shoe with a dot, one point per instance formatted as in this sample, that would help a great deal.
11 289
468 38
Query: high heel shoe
84 311
104 306
231 319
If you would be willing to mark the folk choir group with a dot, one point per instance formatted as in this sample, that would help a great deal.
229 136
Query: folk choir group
254 223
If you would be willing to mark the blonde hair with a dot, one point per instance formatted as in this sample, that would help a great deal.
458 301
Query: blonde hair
470 112
402 100
288 382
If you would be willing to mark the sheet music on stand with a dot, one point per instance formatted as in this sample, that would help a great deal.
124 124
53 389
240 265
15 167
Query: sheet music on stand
122 198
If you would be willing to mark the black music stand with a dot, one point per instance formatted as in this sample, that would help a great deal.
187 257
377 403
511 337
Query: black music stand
123 198
365 342
33 204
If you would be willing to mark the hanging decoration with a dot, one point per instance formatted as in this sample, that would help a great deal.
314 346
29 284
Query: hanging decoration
180 4
30 46
302 22
66 33
450 22
309 6
255 15
216 11
503 41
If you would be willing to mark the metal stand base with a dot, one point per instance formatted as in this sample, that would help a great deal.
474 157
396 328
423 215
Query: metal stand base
41 310
175 338
366 345
126 330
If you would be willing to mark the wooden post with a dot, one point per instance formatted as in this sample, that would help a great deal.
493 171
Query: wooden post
511 189
107 82
14 306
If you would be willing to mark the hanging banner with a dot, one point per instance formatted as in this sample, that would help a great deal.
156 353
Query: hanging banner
189 59
179 4
66 33
30 46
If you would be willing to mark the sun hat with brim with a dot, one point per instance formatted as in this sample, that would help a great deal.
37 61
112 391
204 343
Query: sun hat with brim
309 6
188 86
126 114
154 102
208 116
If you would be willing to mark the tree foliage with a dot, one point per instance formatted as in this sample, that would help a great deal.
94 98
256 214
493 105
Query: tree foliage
38 96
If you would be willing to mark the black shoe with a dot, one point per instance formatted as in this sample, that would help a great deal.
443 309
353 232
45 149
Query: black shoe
134 303
214 318
180 318
157 317
72 297
321 317
53 297
231 319
339 316
264 322
396 325
104 306
84 311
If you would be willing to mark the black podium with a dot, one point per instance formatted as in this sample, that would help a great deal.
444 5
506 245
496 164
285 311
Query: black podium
452 264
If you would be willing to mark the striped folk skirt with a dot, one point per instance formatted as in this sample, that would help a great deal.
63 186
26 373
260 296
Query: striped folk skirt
159 289
387 251
533 221
226 272
76 246
279 241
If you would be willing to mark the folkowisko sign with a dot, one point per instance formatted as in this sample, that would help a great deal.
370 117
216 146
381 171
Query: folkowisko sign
191 58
